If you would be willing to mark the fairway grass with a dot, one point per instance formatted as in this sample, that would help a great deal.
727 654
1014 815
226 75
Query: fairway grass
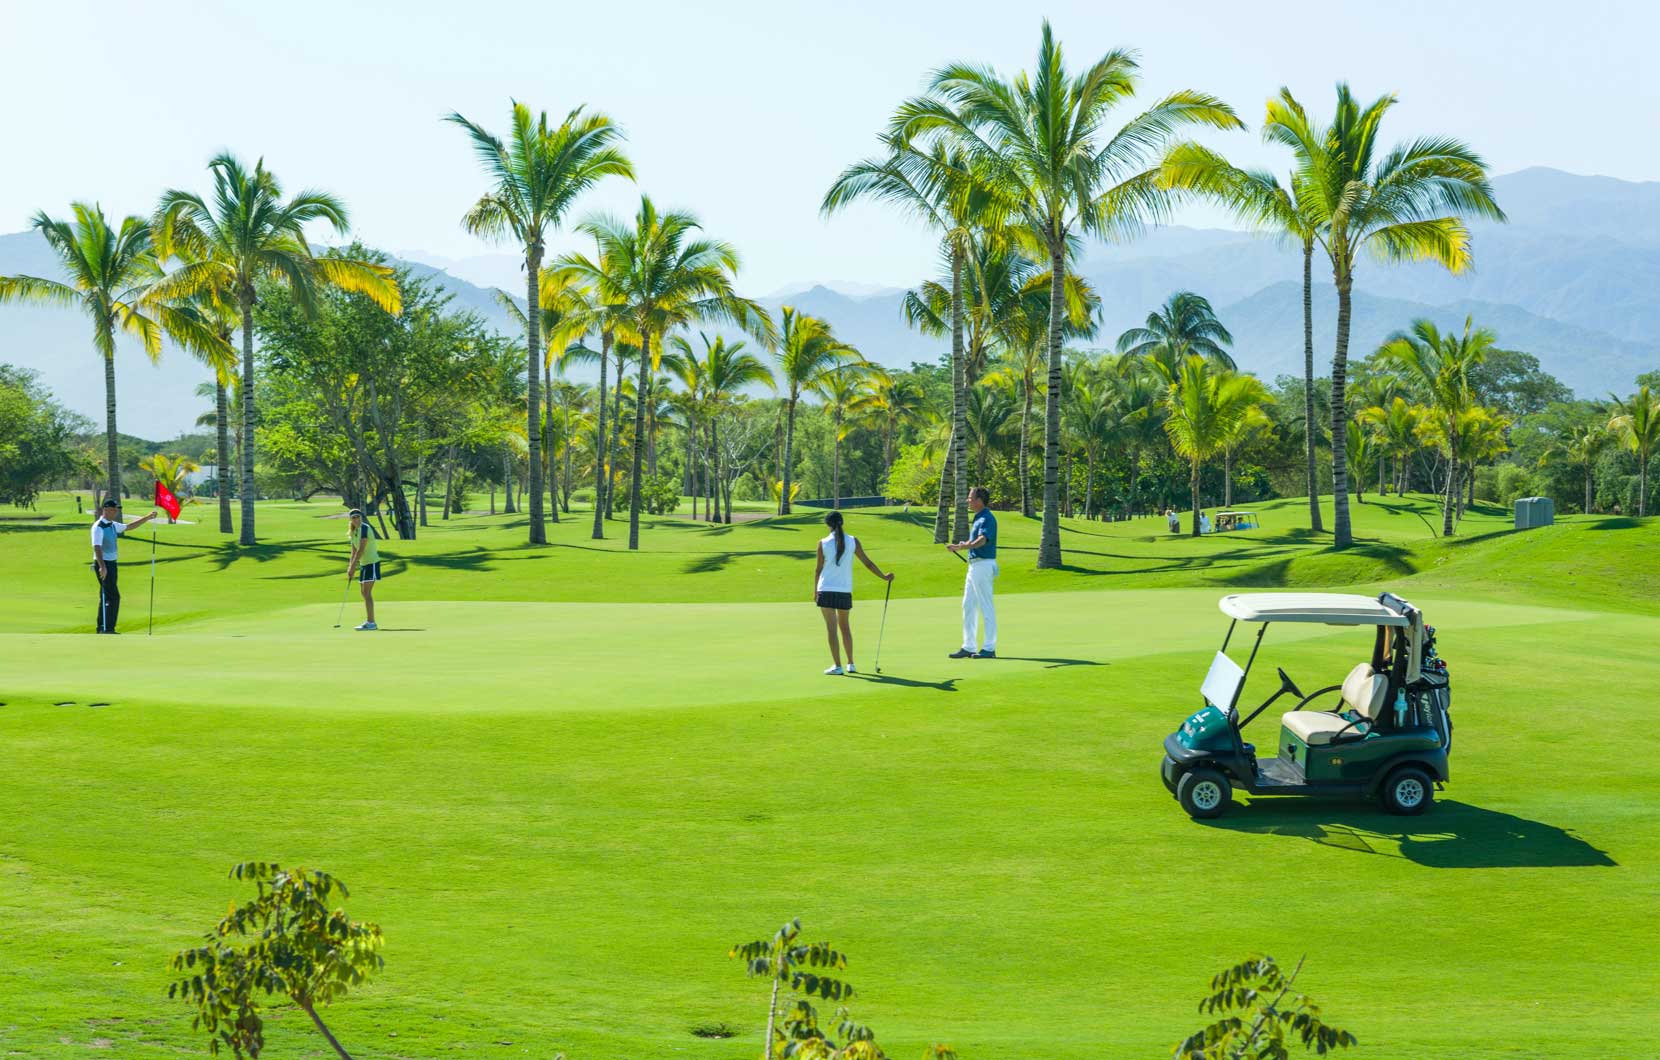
565 780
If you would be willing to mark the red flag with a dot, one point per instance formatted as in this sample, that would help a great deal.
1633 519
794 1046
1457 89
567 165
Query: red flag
167 502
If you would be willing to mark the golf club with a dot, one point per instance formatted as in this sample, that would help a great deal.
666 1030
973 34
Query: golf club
884 627
344 596
152 582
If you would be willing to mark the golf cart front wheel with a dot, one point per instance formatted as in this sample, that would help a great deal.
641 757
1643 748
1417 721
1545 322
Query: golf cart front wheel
1409 791
1203 793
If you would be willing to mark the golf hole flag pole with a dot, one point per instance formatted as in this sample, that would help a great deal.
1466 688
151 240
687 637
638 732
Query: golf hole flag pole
169 504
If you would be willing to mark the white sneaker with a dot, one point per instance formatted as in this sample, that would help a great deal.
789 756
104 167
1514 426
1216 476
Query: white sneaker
366 625
851 669
834 671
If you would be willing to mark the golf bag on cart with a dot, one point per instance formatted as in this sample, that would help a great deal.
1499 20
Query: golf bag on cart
1429 699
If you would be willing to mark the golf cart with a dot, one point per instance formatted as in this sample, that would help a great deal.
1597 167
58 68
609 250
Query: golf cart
1384 732
1226 521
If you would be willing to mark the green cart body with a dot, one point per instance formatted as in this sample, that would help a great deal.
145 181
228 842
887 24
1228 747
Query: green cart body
1384 732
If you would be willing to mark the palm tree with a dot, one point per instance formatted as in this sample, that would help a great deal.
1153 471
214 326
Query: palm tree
247 235
567 314
806 350
1259 199
170 471
900 402
1184 326
1238 435
714 382
1408 204
661 277
1398 428
1205 405
936 185
846 390
1440 366
1091 414
1580 449
1636 423
537 176
114 278
1041 144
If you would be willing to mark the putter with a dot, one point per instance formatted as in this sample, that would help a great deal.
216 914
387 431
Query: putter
883 628
344 596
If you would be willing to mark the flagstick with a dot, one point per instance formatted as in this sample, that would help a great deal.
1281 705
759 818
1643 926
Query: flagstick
152 582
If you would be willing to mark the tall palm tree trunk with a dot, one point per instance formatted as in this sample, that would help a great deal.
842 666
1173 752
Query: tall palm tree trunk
1449 499
1194 484
836 460
248 418
1049 543
111 443
1587 489
1308 387
942 510
1135 474
508 507
1227 478
616 443
1089 486
1342 535
548 460
449 481
959 405
222 438
599 440
533 421
789 455
641 393
1025 453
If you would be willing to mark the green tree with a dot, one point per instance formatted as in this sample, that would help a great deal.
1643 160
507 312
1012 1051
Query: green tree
1440 365
536 176
715 381
1579 449
660 275
1041 142
1406 204
1398 428
37 437
805 969
1205 405
114 278
1260 1016
1184 326
1259 199
847 393
806 350
170 471
247 235
1636 423
286 941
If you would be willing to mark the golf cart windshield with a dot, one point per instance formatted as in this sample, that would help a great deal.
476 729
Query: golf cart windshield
1223 682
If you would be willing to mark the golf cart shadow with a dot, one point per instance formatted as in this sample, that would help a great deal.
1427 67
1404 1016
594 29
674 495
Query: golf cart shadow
1453 835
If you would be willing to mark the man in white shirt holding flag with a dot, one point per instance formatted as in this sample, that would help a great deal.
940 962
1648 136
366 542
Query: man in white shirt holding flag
106 533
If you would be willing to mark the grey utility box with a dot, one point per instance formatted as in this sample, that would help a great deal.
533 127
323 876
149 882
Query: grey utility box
1534 511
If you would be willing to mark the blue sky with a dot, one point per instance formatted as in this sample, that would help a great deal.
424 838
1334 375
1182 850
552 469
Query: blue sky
742 112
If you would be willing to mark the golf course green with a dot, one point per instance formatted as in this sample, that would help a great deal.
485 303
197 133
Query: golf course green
566 779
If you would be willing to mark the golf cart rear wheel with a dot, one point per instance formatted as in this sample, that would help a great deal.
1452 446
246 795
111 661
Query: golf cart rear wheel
1203 793
1409 791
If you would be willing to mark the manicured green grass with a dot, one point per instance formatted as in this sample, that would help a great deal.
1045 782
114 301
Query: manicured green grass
564 780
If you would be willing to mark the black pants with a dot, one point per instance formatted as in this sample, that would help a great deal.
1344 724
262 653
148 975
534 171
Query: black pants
109 596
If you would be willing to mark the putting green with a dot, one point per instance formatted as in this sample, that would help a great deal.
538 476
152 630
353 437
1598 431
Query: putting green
562 811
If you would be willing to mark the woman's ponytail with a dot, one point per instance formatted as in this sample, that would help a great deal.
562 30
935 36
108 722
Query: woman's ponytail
834 521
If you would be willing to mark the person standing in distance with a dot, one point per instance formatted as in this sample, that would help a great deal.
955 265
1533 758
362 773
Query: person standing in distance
106 534
833 588
981 547
366 564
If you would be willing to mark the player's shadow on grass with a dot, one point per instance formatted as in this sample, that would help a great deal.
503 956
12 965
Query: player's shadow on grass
947 685
1452 835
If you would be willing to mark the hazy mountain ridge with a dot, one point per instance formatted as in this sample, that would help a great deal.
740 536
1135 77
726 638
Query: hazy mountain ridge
1572 278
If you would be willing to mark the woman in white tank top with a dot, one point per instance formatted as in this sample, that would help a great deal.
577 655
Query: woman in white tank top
833 588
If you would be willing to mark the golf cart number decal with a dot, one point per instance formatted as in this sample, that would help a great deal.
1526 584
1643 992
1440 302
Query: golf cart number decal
1336 761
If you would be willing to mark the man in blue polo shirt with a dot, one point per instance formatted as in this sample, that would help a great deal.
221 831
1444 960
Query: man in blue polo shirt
978 608
106 535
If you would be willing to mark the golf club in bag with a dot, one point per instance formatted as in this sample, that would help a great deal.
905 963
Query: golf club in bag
884 627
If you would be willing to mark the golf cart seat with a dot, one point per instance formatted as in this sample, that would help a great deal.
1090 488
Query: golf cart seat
1364 693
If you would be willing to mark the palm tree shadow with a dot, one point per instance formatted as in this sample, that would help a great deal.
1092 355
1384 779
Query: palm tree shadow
1453 835
1051 664
947 685
714 562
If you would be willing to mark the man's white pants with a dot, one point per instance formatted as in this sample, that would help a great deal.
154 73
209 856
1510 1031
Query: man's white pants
977 603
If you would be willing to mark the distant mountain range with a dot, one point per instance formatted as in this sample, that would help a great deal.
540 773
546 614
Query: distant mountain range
1572 278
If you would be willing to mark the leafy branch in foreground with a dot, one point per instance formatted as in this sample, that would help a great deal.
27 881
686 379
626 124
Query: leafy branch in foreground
1259 1016
286 942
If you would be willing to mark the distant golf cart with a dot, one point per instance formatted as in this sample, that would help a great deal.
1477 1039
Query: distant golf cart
1385 733
1226 521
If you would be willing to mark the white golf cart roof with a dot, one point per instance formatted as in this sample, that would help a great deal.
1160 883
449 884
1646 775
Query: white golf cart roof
1332 609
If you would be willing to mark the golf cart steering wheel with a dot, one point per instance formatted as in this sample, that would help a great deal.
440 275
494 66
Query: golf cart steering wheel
1287 684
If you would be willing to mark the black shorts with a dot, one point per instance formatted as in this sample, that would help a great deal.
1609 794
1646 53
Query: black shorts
369 572
835 601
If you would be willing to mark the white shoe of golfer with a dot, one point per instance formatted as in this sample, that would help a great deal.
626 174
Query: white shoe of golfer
850 669
366 625
834 671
